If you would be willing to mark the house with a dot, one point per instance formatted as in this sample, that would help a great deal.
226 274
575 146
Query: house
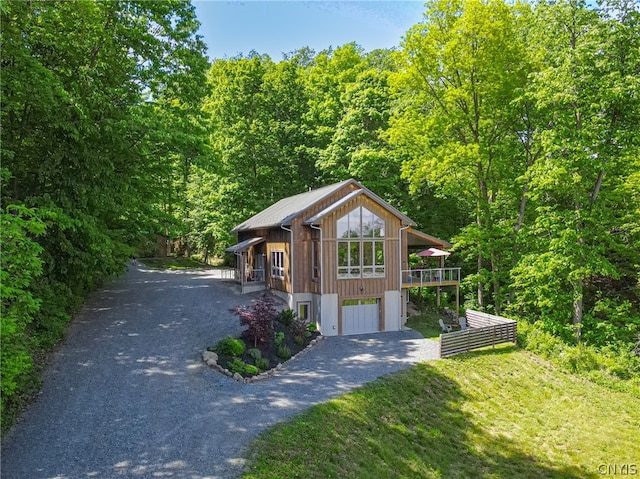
338 255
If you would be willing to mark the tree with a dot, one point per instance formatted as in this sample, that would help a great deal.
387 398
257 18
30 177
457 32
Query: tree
587 87
464 69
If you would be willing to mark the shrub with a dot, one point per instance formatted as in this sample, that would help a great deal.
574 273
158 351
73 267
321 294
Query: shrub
612 366
279 338
230 346
258 318
298 327
312 327
255 353
299 340
283 352
286 316
251 369
237 366
262 364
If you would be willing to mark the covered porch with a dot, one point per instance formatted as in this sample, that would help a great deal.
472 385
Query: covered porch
250 264
419 277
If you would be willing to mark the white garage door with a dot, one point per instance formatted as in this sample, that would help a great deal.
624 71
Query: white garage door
360 316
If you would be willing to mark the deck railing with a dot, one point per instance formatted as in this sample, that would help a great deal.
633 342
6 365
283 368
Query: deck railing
253 276
430 277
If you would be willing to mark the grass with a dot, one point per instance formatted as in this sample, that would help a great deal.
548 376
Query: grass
491 414
426 324
171 262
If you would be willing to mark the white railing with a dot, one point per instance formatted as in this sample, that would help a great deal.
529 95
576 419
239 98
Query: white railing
424 277
253 276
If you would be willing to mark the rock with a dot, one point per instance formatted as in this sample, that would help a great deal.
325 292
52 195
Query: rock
212 361
209 355
238 377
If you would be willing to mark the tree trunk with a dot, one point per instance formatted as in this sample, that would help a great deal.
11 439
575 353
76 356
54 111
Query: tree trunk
577 309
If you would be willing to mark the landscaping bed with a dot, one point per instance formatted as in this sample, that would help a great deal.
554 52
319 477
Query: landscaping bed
271 338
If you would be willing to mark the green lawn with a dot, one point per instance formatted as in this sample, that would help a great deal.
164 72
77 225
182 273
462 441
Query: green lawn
171 262
492 414
426 324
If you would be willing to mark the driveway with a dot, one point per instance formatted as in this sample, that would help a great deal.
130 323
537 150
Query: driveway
127 394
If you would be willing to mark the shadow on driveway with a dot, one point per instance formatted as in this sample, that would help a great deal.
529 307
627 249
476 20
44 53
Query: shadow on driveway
127 394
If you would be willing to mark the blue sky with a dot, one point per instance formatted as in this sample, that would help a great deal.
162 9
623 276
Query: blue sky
276 27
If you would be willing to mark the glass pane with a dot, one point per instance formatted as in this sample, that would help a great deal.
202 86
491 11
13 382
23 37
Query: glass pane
343 227
354 223
379 254
367 253
367 271
354 253
343 253
369 301
368 225
378 228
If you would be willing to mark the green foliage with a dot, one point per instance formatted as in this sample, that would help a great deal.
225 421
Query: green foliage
255 354
298 340
312 327
614 366
262 364
97 98
286 316
21 264
283 352
251 369
237 365
230 346
279 337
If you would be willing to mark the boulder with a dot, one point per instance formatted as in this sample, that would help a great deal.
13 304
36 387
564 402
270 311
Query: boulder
209 356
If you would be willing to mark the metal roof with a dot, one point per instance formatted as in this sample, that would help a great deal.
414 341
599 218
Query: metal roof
285 210
419 239
244 245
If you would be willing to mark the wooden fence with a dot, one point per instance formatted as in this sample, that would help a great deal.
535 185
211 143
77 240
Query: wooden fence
483 330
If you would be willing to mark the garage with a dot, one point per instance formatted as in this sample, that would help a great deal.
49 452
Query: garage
360 316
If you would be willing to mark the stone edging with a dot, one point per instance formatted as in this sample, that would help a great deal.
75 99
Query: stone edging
211 359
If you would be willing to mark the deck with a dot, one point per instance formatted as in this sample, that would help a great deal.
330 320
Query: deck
418 278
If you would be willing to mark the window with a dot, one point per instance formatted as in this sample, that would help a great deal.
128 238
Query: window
303 310
315 260
277 264
360 244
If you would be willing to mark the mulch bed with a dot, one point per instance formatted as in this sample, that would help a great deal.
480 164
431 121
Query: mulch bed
269 348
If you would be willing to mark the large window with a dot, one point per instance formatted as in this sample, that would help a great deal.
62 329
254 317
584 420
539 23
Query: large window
277 264
360 244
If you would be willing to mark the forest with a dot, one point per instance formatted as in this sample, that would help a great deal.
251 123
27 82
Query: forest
510 129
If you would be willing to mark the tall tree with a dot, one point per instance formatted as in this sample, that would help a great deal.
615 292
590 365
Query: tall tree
588 88
464 68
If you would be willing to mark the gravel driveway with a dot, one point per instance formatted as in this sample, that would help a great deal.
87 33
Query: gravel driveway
128 396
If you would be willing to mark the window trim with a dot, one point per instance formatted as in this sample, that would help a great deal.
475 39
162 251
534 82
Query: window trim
315 260
277 264
356 244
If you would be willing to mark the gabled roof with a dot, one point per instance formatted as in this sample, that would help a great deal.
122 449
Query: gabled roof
284 211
